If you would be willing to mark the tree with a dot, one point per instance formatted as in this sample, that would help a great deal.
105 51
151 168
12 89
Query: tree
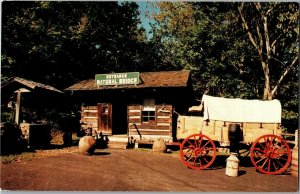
208 36
227 44
60 43
273 29
204 38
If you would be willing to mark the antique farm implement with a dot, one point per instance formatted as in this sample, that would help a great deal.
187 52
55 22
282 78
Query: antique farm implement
253 124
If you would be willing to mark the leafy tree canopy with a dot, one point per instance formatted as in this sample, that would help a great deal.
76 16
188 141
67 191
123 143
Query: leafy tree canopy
245 50
60 43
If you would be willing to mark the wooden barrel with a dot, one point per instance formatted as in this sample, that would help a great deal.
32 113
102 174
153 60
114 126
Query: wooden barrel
295 161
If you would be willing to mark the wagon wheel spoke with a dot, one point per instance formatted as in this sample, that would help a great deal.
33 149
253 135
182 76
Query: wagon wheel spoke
200 141
258 152
195 140
246 151
276 144
272 140
187 157
191 144
257 155
265 162
188 148
269 165
275 167
279 163
263 147
187 153
207 158
205 145
266 140
258 161
195 158
270 154
279 157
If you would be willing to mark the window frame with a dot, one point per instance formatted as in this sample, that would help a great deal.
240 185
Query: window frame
147 117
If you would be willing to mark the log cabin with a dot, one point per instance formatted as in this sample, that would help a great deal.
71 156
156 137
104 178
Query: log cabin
133 107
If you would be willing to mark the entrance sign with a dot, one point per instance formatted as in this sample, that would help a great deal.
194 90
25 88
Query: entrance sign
117 79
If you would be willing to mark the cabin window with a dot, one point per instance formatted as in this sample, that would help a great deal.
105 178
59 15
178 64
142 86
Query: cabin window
149 111
148 114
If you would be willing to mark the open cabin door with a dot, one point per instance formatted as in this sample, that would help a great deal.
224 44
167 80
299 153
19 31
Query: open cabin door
105 118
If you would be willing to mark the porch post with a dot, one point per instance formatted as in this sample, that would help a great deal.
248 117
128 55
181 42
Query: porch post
18 106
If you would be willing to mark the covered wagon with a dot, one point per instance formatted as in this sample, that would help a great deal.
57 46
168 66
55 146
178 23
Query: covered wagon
230 123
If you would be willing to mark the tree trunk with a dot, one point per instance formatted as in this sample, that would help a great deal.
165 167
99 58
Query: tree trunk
267 89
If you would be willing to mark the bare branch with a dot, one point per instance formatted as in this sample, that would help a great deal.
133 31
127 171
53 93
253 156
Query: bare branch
245 24
266 31
261 42
275 41
258 6
284 75
267 39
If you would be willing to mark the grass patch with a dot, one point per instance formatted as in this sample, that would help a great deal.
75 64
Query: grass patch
28 156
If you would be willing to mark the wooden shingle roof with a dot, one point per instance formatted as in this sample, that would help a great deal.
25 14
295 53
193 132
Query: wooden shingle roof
147 80
31 85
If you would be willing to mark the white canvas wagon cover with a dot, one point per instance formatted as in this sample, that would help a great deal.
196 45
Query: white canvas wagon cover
240 110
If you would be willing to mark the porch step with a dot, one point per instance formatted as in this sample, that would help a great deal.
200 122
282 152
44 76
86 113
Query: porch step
117 139
117 144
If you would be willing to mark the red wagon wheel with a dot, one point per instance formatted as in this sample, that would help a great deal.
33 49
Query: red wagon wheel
198 151
270 154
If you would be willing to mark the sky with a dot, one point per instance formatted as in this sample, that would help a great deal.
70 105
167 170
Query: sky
145 6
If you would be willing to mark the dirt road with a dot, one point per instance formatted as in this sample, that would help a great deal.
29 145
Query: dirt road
131 170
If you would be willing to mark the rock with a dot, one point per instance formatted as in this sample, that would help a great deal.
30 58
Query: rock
159 146
86 145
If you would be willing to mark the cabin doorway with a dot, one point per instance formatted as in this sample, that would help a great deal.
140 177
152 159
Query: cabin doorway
120 119
105 118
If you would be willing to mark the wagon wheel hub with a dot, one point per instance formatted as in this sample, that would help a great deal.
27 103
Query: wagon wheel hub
198 152
270 154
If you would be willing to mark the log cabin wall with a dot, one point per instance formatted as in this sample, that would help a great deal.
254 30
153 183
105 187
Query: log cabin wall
144 130
89 117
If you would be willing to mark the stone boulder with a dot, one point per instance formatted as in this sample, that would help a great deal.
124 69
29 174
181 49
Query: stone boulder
159 146
86 145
